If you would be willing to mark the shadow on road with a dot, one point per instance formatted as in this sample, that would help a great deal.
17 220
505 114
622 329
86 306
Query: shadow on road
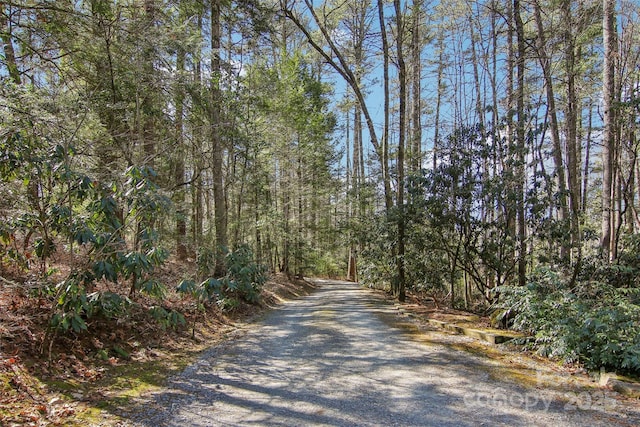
329 359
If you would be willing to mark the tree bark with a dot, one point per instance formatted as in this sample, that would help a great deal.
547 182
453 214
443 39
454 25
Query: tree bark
571 127
436 131
179 168
416 89
148 91
402 80
520 146
386 176
609 34
217 161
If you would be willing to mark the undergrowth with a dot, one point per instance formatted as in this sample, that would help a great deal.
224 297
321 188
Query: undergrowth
593 321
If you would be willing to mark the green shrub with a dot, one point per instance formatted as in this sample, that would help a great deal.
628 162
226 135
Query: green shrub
594 322
243 281
377 264
99 228
245 277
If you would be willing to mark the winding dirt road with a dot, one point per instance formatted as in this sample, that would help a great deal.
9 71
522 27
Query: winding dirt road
332 359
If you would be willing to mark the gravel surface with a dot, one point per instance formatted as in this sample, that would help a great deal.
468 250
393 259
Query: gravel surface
331 359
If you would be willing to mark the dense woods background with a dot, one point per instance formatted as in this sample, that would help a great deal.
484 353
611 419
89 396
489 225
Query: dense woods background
481 153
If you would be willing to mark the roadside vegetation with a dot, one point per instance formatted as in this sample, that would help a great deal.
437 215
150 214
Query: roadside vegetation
86 376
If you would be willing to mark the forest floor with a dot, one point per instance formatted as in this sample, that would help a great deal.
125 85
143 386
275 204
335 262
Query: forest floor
88 379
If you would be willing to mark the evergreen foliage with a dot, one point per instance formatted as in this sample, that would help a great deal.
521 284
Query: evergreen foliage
593 321
243 281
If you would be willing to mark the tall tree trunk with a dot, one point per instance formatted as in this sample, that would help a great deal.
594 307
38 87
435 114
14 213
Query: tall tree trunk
496 145
217 161
238 229
571 127
179 168
416 89
402 79
286 212
440 89
299 232
587 158
386 176
505 155
347 167
609 34
148 91
545 63
520 146
358 146
358 176
476 74
197 153
258 228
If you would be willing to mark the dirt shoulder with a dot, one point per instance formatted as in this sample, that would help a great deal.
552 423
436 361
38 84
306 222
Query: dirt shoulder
76 380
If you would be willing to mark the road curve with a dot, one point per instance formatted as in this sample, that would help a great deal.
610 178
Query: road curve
330 359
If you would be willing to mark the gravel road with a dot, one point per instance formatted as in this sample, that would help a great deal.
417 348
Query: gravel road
331 359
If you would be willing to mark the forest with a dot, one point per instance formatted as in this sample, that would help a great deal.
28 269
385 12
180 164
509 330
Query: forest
483 154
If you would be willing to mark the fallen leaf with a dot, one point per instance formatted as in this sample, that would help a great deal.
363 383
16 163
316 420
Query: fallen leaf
55 401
